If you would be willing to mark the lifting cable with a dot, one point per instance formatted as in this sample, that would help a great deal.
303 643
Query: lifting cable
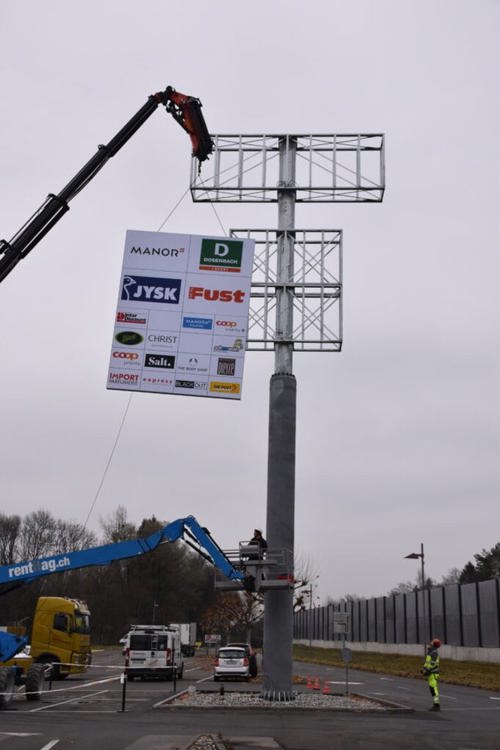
129 401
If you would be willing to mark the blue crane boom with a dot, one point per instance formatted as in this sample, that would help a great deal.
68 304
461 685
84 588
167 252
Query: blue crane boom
196 536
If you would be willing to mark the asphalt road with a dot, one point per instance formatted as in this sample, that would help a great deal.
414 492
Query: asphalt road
85 713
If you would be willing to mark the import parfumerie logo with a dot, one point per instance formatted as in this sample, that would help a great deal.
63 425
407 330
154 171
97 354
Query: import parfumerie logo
221 255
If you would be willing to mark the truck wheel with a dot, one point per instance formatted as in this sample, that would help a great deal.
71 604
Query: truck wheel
34 682
7 685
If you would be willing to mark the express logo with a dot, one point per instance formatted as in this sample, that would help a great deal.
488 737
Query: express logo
127 317
129 338
221 256
226 323
216 295
126 355
151 289
165 361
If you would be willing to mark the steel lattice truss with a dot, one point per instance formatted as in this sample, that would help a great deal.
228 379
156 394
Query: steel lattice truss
329 168
316 289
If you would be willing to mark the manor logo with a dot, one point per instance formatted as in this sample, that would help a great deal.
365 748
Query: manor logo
221 256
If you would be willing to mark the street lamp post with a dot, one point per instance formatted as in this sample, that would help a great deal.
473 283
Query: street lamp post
416 556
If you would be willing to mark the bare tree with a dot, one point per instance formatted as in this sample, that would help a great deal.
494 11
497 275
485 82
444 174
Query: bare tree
9 538
116 527
71 536
38 535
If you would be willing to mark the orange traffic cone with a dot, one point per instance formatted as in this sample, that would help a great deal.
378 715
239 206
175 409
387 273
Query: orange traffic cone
309 682
326 688
316 685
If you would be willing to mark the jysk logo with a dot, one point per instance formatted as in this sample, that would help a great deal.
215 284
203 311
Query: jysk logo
129 338
131 318
165 361
151 289
216 387
221 256
226 366
201 324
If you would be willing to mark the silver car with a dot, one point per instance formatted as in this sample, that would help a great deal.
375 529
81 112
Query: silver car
231 662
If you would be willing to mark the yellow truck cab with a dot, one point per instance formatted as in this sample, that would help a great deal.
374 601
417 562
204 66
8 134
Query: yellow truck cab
61 635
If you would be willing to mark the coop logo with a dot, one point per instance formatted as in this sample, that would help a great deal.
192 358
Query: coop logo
221 256
129 338
217 387
192 385
216 295
151 289
165 361
123 377
165 252
132 356
226 366
199 324
226 323
131 318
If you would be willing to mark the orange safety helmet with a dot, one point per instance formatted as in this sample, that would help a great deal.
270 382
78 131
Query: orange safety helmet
436 642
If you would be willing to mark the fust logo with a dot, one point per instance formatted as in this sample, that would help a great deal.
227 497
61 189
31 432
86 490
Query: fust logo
151 289
216 295
218 255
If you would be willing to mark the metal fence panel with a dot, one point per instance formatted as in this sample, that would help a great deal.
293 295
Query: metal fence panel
411 618
400 610
380 618
372 621
438 629
469 614
489 615
363 610
453 616
390 622
355 621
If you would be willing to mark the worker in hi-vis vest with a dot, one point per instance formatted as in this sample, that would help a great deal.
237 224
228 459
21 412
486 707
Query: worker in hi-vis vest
431 671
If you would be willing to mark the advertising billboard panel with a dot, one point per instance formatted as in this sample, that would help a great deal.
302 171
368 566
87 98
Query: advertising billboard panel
182 315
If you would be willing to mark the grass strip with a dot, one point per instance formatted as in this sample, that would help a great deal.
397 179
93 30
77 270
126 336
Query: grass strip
468 673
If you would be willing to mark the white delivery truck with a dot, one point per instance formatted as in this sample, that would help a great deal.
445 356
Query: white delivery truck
154 652
187 632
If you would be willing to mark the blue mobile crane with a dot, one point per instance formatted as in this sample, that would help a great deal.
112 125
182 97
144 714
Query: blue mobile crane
16 574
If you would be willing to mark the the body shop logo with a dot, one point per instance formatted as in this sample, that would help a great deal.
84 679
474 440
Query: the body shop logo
129 338
165 252
151 289
200 324
131 318
216 387
165 361
226 366
221 256
216 295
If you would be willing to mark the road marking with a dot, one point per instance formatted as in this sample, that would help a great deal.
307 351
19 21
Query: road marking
387 679
342 682
49 745
448 697
62 703
492 698
19 734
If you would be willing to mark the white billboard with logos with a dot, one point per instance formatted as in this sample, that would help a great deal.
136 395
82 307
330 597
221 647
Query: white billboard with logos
182 316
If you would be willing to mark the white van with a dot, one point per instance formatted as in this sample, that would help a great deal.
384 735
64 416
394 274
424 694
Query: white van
153 652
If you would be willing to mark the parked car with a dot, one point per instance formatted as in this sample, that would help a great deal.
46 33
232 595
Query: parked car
231 662
251 655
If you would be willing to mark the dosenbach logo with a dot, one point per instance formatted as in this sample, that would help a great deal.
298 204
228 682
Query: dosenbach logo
216 295
221 256
151 289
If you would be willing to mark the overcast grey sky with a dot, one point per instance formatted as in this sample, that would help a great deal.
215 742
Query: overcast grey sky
398 435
